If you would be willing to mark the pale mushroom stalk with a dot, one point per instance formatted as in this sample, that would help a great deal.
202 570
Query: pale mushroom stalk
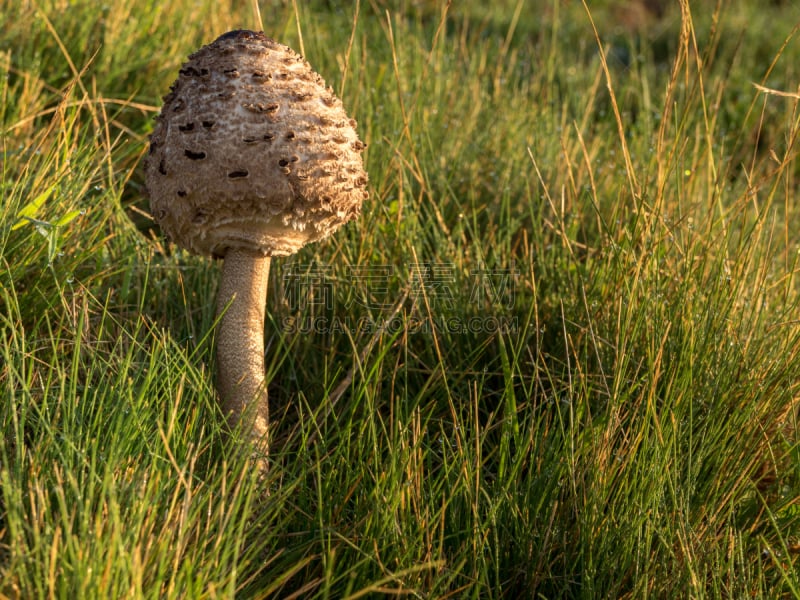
241 302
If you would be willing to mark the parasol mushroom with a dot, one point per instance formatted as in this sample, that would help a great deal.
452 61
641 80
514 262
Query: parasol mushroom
251 157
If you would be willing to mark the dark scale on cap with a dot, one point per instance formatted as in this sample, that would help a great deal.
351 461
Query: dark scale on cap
240 34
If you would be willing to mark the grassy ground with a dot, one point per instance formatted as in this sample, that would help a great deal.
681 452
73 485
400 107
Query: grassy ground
558 356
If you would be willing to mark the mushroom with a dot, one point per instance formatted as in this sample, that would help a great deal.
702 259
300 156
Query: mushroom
251 157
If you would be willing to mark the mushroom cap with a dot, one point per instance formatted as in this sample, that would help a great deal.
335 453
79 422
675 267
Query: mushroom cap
252 150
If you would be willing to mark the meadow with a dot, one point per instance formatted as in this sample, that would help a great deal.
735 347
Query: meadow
558 356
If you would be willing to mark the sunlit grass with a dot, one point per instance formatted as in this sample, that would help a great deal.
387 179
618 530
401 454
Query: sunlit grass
557 356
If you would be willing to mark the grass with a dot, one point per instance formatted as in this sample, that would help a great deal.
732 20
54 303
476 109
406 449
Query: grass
558 356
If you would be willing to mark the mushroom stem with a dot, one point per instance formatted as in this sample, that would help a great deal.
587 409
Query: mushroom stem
241 300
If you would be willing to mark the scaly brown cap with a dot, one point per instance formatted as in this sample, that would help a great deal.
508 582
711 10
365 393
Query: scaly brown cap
252 150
